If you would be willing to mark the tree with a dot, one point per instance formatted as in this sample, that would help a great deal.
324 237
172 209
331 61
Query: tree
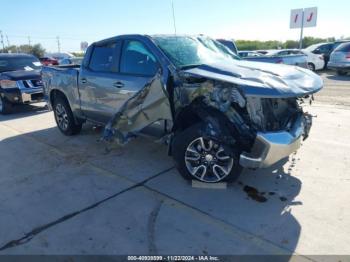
36 50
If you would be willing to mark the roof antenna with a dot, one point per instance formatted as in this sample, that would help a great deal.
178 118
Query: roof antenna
172 5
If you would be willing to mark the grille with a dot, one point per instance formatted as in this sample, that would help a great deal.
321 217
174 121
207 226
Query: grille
32 83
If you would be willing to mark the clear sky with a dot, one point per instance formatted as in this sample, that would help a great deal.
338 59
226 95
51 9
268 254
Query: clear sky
90 20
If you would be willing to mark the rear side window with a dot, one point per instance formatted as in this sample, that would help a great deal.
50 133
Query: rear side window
325 48
136 59
103 58
345 47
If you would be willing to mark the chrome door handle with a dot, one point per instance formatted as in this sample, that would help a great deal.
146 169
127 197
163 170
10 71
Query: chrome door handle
118 84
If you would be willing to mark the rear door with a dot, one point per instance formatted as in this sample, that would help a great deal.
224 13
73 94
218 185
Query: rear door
99 93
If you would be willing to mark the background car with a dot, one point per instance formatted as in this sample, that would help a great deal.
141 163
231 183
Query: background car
230 44
20 81
71 61
248 54
314 61
47 61
325 49
340 59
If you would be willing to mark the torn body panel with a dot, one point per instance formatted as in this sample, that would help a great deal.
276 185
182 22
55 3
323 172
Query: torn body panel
147 106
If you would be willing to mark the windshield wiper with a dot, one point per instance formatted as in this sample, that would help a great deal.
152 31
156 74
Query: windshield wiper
190 66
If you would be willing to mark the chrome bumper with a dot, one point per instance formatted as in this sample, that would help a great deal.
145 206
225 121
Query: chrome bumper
32 95
271 147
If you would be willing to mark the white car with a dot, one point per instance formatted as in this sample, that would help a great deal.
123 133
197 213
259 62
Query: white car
314 61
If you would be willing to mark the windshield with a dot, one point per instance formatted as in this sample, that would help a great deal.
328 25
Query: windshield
187 51
19 63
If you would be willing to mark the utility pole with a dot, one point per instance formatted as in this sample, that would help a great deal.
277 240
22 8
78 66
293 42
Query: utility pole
172 6
29 41
58 44
8 42
2 41
301 31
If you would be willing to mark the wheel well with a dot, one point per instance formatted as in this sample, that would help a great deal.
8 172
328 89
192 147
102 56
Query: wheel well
56 93
186 118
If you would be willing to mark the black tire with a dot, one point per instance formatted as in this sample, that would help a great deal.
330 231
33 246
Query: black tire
5 106
341 73
184 142
64 117
311 66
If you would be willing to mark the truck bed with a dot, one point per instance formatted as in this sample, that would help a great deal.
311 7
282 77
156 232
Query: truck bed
64 79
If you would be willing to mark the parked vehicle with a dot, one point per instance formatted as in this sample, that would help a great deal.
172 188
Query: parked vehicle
244 54
314 62
20 80
222 113
71 61
47 61
325 49
281 57
340 59
230 44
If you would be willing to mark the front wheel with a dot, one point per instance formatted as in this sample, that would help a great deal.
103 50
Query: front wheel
5 106
204 159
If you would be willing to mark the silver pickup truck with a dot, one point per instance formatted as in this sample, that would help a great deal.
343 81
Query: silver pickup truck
222 113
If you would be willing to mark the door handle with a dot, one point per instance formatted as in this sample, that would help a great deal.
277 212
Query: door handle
118 84
83 81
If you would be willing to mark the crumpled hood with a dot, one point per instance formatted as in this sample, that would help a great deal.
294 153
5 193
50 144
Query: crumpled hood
21 75
262 79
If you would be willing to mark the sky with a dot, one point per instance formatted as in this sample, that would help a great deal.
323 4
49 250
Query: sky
75 21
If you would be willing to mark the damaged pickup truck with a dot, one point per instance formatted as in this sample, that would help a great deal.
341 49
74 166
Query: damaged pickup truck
222 113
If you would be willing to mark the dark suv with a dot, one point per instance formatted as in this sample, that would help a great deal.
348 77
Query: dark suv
20 80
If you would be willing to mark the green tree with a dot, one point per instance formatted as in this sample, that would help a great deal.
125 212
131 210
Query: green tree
36 50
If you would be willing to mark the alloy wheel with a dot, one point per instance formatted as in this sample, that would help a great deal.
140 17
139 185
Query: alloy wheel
61 117
207 161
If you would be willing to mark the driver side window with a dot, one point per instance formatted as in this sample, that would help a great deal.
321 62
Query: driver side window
136 59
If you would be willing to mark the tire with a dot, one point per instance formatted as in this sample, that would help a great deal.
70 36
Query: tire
341 73
5 106
208 163
64 117
311 66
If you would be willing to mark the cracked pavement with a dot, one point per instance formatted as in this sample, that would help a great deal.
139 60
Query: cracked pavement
71 196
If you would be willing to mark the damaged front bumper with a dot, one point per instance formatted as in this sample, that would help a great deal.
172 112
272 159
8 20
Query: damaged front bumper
270 147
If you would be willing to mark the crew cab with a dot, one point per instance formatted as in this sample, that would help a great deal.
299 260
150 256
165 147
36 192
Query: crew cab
20 81
222 113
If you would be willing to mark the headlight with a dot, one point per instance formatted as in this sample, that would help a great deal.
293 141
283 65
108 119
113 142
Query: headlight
8 84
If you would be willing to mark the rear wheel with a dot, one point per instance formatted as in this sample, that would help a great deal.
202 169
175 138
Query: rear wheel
64 117
204 159
341 73
5 106
311 66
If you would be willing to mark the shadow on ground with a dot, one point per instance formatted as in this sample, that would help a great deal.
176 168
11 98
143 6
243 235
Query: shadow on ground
257 205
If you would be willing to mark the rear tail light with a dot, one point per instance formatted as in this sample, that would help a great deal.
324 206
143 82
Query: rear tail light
348 55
